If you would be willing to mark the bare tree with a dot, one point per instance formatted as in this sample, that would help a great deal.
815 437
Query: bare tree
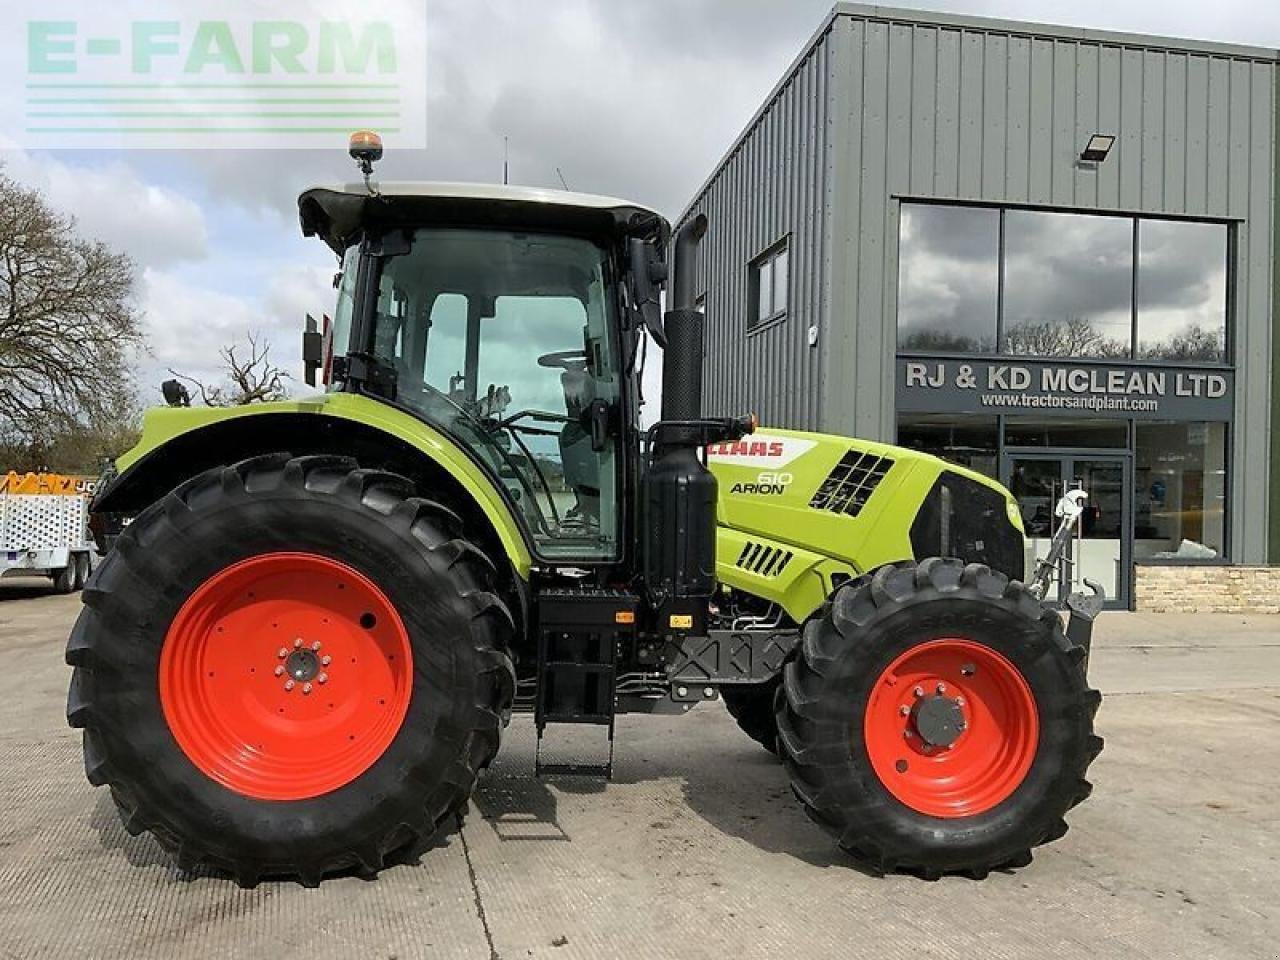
248 379
1193 344
67 323
1073 337
945 341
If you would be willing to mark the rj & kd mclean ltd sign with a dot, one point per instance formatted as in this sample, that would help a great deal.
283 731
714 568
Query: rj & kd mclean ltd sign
1037 387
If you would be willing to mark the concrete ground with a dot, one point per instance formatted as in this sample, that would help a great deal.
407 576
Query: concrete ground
696 849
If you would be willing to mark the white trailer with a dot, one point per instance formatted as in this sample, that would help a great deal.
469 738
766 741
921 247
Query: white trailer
44 528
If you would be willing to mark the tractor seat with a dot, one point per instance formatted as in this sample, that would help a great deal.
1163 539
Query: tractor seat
581 464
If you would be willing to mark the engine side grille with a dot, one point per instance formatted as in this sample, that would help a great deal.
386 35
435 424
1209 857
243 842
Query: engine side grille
851 483
765 561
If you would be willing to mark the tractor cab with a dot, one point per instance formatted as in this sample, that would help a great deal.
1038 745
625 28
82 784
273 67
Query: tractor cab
503 317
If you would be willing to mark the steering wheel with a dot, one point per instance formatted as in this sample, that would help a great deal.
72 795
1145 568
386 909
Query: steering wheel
564 360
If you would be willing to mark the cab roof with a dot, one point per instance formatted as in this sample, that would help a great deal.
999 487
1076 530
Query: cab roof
338 214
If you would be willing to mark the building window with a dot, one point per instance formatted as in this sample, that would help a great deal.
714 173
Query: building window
971 442
1182 291
770 282
1068 285
948 278
1081 434
1180 491
983 280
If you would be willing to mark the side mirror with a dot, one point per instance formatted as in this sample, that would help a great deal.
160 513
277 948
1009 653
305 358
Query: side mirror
648 273
312 351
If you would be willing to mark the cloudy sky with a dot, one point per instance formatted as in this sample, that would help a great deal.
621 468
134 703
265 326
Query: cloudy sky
636 98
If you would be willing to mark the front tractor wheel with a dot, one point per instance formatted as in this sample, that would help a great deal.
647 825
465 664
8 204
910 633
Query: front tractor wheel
936 719
290 667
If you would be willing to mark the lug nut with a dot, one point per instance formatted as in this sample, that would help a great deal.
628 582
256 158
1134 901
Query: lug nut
906 734
326 660
288 684
904 710
918 692
708 692
959 701
306 688
279 671
316 645
323 678
282 652
297 642
941 688
682 691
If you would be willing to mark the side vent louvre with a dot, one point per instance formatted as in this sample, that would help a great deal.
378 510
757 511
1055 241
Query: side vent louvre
764 561
850 484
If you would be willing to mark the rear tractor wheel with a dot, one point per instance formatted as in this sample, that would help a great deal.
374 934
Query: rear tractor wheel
936 719
290 667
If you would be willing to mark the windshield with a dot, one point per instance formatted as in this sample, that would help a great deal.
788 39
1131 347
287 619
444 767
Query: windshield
501 339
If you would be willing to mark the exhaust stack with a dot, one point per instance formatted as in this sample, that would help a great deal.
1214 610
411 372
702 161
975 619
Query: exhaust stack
682 361
679 491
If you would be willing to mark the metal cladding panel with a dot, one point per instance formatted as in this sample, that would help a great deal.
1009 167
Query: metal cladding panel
886 105
972 112
775 184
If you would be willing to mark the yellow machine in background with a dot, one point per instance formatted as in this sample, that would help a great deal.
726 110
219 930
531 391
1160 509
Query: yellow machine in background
44 527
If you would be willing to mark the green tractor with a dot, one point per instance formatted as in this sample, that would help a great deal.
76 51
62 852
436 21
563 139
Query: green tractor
304 646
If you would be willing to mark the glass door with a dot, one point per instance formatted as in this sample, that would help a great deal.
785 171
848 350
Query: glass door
1037 483
1100 550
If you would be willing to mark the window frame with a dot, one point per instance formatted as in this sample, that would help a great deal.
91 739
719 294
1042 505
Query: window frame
768 258
1232 226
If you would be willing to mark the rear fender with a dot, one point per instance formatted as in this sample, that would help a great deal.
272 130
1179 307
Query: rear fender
178 444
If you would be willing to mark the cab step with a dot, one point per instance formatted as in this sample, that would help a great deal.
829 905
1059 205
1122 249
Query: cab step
581 631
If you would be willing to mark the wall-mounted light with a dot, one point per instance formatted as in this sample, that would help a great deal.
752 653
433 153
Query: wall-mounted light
1097 148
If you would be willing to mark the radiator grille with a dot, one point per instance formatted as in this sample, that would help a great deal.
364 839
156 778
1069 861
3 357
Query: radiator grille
851 483
763 560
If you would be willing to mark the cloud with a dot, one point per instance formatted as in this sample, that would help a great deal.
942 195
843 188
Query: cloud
188 323
630 99
156 225
624 101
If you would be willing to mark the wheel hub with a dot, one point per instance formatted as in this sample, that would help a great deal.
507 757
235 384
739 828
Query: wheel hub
939 720
302 665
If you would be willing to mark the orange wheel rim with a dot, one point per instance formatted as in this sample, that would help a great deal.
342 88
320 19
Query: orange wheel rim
286 676
951 728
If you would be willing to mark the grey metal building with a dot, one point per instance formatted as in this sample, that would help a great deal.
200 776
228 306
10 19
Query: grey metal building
1044 252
